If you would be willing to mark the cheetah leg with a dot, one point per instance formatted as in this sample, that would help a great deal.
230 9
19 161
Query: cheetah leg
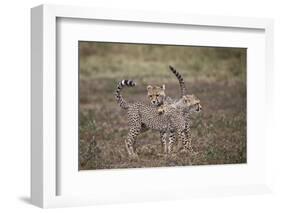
130 141
172 139
134 130
186 140
163 138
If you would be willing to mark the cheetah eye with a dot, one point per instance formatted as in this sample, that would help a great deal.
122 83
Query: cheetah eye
157 95
150 96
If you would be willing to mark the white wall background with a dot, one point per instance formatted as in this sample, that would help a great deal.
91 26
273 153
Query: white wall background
15 103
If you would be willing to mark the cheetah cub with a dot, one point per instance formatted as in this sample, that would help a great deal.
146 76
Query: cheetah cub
178 115
142 117
158 98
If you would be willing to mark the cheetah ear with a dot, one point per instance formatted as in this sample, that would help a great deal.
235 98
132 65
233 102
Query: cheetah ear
149 87
163 87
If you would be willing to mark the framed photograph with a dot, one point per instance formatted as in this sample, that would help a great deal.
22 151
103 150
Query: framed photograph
131 106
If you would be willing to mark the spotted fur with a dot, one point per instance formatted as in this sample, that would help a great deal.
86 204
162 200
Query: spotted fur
158 98
122 103
178 113
142 117
180 79
188 104
156 94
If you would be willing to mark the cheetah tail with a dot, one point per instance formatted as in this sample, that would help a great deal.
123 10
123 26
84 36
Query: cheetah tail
129 83
180 79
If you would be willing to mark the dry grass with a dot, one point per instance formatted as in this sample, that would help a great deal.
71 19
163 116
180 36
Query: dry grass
216 75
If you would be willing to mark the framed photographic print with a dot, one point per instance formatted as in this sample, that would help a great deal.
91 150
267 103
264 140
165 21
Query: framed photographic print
130 106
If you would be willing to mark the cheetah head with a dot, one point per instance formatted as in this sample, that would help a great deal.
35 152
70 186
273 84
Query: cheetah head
192 102
156 94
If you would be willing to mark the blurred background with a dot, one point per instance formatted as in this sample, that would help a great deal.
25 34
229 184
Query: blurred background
217 76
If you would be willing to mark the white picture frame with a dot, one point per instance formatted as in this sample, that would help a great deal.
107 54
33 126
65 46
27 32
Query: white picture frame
45 170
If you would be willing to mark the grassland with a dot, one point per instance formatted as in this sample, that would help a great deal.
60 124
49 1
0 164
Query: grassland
216 75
